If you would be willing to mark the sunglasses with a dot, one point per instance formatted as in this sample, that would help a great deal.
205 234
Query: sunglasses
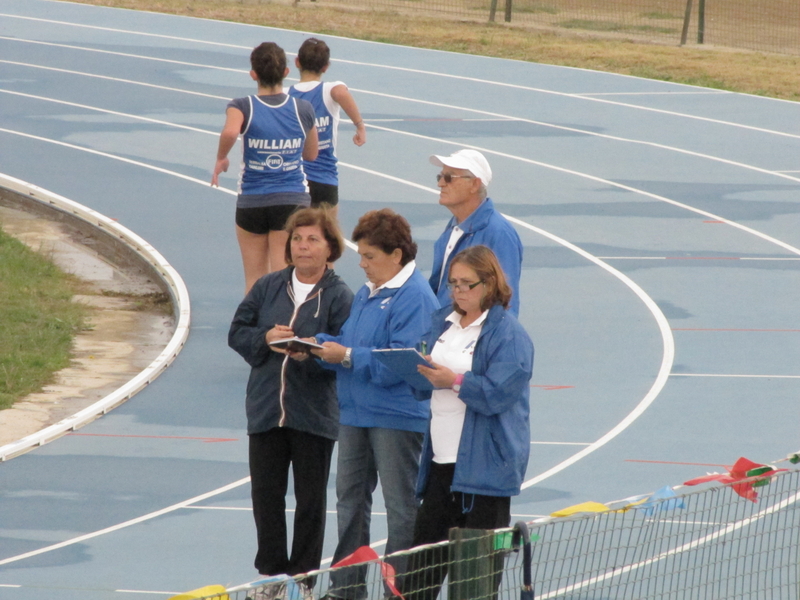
448 177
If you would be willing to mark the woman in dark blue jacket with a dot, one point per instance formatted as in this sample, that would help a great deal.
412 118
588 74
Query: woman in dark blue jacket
476 449
292 411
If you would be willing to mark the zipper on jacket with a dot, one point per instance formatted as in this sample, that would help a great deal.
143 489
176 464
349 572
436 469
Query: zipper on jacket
286 359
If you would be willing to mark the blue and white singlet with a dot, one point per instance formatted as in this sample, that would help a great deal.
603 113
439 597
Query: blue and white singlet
273 139
318 93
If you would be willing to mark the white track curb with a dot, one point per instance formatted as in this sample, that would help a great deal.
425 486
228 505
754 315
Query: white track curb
180 298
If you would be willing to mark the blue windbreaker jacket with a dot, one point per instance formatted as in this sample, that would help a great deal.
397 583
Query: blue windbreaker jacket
495 441
370 395
485 227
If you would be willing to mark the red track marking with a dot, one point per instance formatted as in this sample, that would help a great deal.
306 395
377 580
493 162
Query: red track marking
157 437
750 330
553 387
669 462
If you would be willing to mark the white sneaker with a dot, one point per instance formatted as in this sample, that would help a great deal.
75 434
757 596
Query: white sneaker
271 591
306 592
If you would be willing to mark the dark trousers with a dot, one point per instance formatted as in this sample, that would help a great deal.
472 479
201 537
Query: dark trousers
442 510
309 455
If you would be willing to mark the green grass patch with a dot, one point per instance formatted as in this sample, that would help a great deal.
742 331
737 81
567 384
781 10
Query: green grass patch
37 320
660 15
611 26
533 7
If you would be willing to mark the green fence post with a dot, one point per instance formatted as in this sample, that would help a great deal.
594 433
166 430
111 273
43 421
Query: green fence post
472 564
686 17
701 21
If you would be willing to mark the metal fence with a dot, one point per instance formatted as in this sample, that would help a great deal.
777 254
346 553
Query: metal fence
720 542
761 25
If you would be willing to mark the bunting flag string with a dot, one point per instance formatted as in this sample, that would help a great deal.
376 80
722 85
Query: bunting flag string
743 477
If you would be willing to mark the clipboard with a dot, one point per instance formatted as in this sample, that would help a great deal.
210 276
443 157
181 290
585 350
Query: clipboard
404 361
295 344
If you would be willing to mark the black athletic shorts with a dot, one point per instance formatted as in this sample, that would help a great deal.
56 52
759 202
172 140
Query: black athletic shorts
323 192
266 218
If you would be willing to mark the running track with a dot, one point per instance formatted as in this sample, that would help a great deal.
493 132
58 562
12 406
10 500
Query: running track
661 280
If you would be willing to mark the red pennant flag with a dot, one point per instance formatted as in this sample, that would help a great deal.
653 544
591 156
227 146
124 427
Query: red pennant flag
366 554
744 469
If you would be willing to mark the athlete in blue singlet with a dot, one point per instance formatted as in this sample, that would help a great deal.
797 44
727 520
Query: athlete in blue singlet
278 136
313 60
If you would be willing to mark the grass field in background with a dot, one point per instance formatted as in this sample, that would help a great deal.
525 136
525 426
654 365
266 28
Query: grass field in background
773 75
37 320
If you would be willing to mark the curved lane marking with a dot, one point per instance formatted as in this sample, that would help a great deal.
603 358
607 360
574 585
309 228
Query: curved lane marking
165 271
666 334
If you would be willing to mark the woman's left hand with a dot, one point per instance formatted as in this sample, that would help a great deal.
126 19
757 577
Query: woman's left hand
440 376
331 352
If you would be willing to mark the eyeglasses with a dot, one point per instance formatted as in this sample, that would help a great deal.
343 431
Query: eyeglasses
448 177
463 287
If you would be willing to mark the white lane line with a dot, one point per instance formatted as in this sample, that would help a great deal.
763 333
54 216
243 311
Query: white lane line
127 31
115 79
695 258
608 182
108 112
735 375
604 136
446 75
580 96
247 508
503 117
115 157
123 54
667 358
136 521
700 93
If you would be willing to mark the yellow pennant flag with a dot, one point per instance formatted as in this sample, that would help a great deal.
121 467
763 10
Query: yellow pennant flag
594 507
217 592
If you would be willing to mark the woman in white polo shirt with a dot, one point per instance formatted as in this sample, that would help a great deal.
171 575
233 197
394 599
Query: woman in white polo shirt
476 450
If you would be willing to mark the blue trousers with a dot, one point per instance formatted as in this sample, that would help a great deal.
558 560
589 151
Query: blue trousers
365 455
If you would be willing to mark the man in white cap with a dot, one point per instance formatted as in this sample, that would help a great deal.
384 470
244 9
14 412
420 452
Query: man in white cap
462 189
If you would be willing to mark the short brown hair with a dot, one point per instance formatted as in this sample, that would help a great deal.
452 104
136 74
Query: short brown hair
387 230
314 55
485 264
323 218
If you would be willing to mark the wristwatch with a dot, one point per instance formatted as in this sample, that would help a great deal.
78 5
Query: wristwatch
457 383
347 362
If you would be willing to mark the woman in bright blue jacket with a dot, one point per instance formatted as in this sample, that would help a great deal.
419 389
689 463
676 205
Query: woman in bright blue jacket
382 424
476 448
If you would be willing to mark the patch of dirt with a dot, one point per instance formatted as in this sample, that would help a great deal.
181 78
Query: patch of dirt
130 325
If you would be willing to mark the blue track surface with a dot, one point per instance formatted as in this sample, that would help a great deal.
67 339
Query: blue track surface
654 216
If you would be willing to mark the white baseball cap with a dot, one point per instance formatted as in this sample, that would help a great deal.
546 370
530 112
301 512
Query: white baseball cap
471 160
